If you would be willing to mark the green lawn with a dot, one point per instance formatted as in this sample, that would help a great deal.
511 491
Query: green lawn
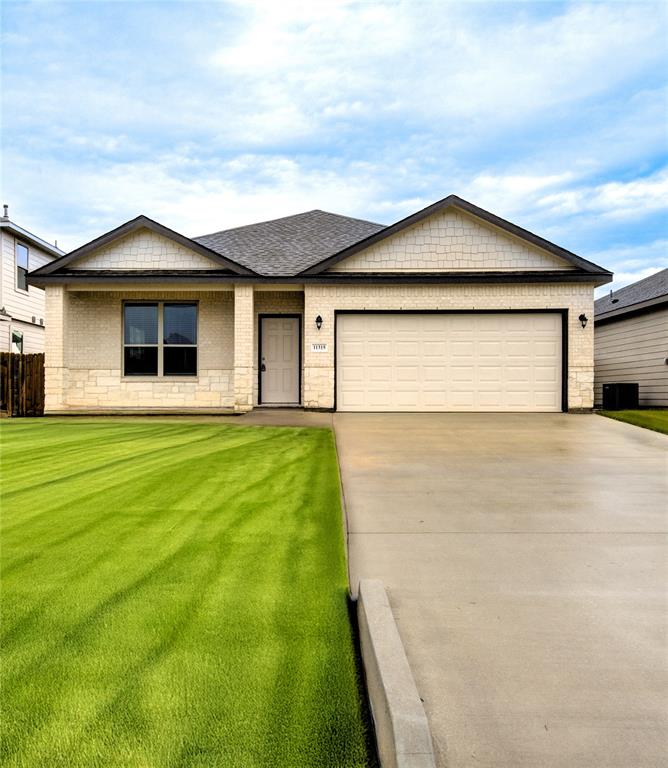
174 594
650 419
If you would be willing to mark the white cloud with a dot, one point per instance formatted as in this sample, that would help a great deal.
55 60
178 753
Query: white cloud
612 199
371 109
480 71
631 263
244 190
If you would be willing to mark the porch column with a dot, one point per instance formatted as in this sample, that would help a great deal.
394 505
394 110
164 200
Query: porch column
243 348
55 341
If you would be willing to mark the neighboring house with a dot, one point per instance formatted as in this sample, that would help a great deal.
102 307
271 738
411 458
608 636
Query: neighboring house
21 305
631 339
450 309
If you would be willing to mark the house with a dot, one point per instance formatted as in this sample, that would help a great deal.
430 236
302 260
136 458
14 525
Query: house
631 340
21 305
449 309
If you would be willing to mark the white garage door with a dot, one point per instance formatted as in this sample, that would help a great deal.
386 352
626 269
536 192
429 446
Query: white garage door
449 362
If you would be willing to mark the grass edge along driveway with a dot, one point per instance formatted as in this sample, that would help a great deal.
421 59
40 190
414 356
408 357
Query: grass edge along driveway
174 594
654 419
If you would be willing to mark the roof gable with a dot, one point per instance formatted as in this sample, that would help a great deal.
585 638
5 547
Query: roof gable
564 259
451 240
140 244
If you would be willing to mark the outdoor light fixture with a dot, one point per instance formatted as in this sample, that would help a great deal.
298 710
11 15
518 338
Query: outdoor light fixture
318 322
583 319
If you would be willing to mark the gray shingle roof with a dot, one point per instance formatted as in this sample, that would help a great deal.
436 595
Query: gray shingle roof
648 288
289 245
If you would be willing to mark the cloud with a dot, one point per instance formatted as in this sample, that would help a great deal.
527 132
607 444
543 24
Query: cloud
613 199
552 115
632 263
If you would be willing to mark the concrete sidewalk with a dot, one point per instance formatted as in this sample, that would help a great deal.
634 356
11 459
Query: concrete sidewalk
525 559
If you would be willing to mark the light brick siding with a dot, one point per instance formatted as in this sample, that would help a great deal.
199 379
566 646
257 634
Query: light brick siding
243 347
86 370
450 241
144 249
318 370
84 339
268 303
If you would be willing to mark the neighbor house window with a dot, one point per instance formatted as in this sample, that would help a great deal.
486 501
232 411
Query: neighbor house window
17 342
21 266
160 339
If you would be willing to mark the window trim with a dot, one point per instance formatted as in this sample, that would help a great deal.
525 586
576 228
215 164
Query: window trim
13 331
160 346
17 287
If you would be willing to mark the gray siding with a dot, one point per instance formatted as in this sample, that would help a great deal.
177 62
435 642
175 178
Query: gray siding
634 350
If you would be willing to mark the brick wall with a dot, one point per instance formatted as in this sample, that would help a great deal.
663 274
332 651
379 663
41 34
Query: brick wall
318 373
84 339
450 241
92 355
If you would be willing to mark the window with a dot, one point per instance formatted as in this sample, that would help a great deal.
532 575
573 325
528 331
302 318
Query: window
17 342
21 266
160 339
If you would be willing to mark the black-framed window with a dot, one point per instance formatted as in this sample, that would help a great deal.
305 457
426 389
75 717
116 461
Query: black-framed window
22 256
17 342
160 339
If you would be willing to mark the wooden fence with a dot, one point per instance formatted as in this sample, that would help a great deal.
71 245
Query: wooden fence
21 384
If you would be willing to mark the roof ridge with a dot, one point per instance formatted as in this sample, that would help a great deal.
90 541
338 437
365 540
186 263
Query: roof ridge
284 218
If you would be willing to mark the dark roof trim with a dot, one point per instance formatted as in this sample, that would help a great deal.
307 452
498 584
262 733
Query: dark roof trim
333 278
623 313
141 222
452 201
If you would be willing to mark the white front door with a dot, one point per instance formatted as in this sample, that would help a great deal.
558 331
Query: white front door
279 360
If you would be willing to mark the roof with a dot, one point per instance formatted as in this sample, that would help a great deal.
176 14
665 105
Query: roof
292 244
452 201
305 245
52 250
648 292
140 222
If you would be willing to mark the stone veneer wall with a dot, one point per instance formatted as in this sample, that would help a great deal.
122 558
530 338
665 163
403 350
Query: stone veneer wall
450 241
92 355
318 371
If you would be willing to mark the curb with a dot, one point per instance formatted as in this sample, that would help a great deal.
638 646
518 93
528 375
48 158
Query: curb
402 730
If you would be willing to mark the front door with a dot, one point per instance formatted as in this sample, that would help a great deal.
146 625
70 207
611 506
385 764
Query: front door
279 360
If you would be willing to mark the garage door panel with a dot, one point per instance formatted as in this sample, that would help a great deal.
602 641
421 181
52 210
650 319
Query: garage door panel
449 362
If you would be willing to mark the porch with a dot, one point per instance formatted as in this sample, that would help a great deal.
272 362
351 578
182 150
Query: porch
102 358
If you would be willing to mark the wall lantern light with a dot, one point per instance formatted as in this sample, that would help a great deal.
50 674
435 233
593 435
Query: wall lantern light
318 322
583 319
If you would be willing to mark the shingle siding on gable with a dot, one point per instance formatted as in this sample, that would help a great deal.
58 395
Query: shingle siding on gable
144 250
450 241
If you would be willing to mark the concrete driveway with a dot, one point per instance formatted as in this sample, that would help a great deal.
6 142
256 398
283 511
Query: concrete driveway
525 560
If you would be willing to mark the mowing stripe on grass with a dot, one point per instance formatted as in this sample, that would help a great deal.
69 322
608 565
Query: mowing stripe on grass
174 594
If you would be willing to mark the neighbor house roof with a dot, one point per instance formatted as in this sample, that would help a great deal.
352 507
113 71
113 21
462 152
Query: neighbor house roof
645 294
23 234
289 245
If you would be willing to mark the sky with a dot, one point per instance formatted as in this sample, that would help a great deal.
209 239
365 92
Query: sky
206 116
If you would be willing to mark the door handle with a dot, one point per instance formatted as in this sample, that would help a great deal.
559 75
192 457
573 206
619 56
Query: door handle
263 367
